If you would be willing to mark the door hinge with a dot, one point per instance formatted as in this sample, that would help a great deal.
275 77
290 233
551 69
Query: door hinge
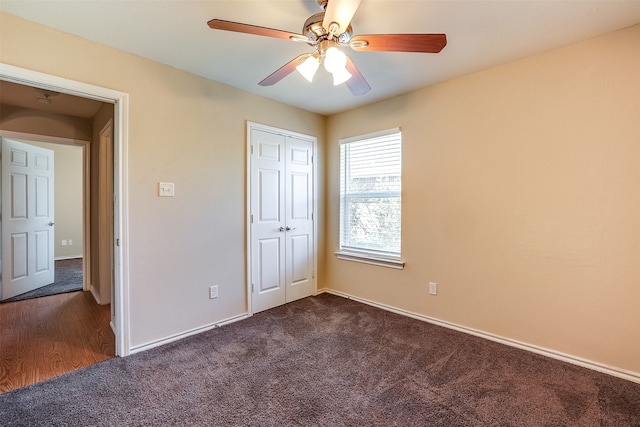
311 216
251 148
252 288
251 218
118 242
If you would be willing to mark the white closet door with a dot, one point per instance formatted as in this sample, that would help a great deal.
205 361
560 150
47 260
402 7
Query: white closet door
299 222
281 219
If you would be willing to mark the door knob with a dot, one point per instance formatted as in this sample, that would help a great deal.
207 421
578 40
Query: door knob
281 229
50 223
289 228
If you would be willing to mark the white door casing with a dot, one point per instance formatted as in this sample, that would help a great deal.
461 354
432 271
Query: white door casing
27 217
281 228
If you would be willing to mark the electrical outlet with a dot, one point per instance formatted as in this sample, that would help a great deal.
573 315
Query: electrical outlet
70 242
63 243
433 288
213 292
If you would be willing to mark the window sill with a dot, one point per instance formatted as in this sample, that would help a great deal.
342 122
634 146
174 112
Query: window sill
398 264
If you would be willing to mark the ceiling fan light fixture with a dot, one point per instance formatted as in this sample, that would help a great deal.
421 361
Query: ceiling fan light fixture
334 59
335 62
308 67
327 31
340 76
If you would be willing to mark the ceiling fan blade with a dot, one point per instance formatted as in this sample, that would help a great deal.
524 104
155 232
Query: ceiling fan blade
219 24
284 71
426 43
356 84
341 12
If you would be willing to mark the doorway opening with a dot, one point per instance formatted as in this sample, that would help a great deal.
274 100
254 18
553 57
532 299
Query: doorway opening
119 100
45 211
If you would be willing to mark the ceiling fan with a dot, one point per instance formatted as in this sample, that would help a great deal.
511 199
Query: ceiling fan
328 31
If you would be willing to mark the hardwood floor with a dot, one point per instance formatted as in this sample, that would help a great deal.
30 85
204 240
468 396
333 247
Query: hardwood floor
45 337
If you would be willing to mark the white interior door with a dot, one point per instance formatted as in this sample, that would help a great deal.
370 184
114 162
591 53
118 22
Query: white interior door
267 220
27 218
298 219
281 218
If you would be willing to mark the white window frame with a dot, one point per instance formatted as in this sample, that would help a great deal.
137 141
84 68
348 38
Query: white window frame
374 257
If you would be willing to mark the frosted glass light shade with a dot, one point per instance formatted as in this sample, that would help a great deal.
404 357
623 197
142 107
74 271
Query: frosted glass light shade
334 59
308 68
335 62
340 76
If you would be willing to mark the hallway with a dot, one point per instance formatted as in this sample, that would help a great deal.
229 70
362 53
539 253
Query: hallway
45 337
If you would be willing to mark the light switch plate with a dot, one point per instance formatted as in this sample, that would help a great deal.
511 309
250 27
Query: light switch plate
433 288
166 189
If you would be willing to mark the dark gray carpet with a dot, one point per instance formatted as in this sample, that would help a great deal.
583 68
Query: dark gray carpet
68 278
328 361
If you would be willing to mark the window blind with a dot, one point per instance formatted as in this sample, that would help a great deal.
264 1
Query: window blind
370 194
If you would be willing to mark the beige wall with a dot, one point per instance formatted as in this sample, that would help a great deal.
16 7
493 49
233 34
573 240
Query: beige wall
520 199
182 129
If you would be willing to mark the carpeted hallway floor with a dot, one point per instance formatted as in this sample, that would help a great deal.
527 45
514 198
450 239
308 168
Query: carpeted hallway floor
68 278
328 361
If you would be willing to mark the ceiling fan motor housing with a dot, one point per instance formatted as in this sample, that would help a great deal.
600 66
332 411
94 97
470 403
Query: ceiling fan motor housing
315 32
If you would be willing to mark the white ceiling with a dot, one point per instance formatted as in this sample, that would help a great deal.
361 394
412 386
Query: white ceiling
480 34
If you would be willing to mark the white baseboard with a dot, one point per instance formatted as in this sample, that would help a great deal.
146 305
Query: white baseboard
96 297
176 337
610 370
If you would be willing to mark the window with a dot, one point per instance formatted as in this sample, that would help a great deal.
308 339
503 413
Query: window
370 198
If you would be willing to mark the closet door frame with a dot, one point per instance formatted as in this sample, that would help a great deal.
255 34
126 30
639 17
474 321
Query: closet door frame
249 261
